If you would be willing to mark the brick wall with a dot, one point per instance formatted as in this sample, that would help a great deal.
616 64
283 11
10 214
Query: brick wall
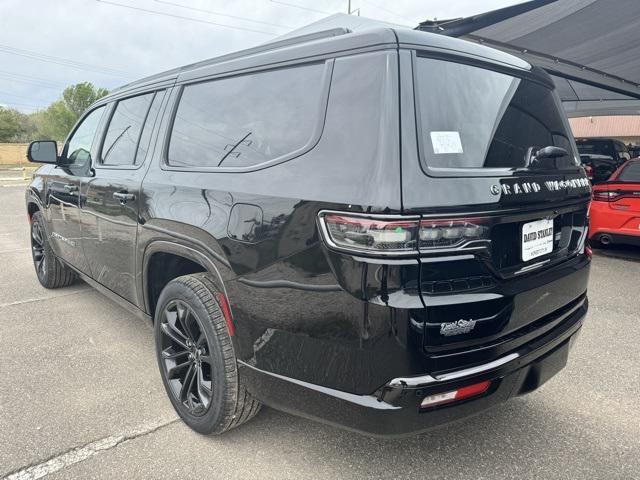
11 153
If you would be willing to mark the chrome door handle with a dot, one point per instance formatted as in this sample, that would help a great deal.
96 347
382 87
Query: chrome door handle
124 197
70 187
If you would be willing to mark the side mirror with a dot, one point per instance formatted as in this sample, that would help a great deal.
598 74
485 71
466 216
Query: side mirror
43 151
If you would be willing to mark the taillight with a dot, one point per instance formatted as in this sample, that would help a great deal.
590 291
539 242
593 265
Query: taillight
605 195
451 233
455 395
588 252
376 235
589 171
387 235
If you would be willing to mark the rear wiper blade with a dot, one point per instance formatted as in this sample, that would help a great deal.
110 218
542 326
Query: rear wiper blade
534 155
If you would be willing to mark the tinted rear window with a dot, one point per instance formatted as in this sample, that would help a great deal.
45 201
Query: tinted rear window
471 117
630 173
247 120
599 147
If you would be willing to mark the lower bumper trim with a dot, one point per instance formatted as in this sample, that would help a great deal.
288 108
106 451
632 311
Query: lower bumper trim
467 372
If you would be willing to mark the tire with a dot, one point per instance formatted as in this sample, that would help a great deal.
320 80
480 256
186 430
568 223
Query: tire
51 272
196 357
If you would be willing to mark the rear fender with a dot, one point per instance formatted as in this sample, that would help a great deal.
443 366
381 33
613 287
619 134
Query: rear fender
179 249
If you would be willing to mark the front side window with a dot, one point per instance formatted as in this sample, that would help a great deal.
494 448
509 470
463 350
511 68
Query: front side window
78 150
123 133
471 117
246 120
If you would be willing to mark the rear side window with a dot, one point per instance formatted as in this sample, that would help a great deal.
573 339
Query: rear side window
247 120
630 173
123 133
470 117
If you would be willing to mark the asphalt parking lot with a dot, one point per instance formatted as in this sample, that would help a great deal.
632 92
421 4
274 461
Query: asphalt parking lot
80 398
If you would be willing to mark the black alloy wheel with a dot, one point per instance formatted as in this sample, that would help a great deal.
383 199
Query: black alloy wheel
185 357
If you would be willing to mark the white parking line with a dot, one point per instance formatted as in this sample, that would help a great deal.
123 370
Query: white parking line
81 454
50 297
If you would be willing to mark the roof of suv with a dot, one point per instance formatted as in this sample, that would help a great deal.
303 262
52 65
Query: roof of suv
337 39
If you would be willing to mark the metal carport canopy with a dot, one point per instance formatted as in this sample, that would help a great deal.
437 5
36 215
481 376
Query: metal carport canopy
590 47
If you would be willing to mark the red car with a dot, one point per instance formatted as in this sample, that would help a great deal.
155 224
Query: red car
615 209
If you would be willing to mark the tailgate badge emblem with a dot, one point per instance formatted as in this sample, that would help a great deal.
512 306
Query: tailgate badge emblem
495 189
457 328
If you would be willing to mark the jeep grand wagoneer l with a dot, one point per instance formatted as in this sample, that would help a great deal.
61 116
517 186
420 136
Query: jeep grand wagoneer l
383 230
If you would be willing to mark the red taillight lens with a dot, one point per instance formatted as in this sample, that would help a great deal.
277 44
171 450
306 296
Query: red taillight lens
458 395
370 234
588 252
399 235
589 171
605 196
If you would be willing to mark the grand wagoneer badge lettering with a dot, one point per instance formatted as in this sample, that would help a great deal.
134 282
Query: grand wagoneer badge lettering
518 188
457 328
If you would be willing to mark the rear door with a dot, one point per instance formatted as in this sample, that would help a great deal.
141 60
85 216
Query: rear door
112 198
63 189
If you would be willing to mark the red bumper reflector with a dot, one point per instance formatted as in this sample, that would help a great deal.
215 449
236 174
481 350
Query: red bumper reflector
224 307
455 395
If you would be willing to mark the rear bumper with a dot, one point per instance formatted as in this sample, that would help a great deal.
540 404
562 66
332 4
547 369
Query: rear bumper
622 226
618 238
394 409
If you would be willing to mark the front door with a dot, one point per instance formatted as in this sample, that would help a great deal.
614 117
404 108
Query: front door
63 188
111 197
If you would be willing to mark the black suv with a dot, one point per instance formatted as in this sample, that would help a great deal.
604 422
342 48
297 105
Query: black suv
383 230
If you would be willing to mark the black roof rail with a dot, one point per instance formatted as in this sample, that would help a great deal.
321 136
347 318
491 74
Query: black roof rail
309 37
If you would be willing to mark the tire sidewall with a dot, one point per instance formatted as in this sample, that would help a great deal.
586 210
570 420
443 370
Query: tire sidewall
49 258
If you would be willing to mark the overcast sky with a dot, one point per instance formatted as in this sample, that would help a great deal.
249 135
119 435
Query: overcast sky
55 43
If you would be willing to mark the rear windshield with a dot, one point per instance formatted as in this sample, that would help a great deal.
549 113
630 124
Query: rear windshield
598 147
630 173
470 118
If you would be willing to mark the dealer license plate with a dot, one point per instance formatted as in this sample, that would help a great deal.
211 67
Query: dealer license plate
537 239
